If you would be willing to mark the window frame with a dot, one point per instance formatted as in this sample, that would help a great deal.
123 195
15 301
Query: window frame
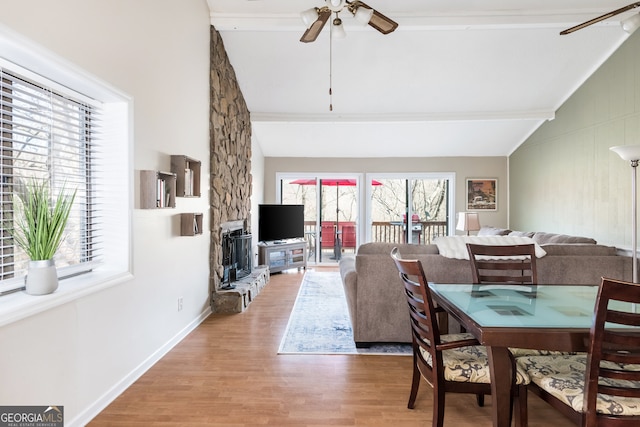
33 61
49 134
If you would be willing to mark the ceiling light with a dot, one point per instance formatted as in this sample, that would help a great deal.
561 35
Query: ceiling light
631 24
335 5
309 16
363 15
337 30
315 19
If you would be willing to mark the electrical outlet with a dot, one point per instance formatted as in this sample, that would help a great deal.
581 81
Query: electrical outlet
179 303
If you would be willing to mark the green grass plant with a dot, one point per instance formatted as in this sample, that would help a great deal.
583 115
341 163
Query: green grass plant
40 220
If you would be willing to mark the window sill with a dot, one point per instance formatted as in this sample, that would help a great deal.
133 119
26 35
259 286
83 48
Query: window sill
20 305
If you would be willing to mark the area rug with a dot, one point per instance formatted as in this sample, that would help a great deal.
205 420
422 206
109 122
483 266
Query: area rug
320 324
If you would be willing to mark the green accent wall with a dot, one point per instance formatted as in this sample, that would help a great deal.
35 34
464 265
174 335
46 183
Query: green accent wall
564 178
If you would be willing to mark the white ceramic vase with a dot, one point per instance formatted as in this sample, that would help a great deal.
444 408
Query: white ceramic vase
42 277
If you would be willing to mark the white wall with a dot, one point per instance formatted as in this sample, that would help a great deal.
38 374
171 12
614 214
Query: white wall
83 353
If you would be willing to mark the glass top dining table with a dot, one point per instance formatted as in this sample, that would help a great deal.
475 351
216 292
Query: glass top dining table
546 317
538 306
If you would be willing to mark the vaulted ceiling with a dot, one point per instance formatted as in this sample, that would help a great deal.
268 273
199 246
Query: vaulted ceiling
456 78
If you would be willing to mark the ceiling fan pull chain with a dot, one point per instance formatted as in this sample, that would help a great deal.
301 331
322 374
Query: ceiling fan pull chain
331 67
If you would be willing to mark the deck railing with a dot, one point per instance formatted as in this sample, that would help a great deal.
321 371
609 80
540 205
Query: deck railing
394 232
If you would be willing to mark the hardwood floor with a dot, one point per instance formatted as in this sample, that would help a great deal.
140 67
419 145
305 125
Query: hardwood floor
228 373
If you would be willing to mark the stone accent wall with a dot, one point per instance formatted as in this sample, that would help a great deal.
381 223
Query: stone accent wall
230 139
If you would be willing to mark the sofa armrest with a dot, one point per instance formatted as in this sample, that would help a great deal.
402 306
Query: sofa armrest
350 285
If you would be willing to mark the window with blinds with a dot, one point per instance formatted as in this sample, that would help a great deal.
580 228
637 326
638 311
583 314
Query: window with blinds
48 134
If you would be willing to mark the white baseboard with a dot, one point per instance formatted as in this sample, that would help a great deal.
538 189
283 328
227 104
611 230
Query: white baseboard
99 405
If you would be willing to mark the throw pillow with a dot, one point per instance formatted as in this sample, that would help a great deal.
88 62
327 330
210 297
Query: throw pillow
545 238
522 233
493 231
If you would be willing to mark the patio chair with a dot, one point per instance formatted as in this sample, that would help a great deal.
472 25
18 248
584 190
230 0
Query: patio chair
601 387
328 235
348 236
453 363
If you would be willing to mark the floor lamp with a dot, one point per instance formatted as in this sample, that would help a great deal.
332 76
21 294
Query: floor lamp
631 153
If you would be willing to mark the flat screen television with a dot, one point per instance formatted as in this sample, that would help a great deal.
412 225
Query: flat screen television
280 222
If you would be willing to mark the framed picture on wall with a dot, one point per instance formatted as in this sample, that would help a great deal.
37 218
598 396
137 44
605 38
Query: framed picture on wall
482 194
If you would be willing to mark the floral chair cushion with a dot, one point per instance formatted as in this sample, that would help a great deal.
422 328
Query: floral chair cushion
519 352
563 376
468 364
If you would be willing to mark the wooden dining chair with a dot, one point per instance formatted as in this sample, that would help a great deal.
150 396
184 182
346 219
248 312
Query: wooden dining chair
512 264
454 363
601 387
503 264
493 265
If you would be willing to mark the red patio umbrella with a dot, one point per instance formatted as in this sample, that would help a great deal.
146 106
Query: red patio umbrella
337 182
332 181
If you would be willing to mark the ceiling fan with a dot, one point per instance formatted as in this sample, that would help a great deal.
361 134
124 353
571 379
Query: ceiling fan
316 18
629 25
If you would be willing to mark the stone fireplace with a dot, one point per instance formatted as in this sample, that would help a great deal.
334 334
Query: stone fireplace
230 190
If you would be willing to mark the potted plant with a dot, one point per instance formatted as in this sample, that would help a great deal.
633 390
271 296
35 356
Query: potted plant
39 230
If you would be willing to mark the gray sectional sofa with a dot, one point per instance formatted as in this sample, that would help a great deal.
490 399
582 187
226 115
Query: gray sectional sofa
374 292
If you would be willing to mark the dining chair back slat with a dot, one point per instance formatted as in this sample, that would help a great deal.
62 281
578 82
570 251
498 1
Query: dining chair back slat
503 263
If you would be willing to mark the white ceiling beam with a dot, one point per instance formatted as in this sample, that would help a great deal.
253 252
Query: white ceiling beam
401 117
411 22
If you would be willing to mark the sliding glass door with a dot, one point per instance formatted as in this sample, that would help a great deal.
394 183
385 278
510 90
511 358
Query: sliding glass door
332 209
398 208
410 209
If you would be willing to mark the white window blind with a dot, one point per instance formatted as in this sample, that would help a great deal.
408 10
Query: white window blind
49 133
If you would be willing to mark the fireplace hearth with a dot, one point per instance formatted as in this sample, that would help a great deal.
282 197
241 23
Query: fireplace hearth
242 281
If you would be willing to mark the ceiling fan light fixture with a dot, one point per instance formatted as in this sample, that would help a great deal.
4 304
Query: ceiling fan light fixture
309 16
363 15
631 24
336 5
337 29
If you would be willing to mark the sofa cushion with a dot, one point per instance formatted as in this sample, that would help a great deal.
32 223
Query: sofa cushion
579 249
404 248
544 238
456 246
493 231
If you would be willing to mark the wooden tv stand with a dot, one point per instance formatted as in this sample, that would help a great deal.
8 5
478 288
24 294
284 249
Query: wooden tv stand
283 254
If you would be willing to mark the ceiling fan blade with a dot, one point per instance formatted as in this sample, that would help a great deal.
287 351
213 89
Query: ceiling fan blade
600 18
314 30
380 22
